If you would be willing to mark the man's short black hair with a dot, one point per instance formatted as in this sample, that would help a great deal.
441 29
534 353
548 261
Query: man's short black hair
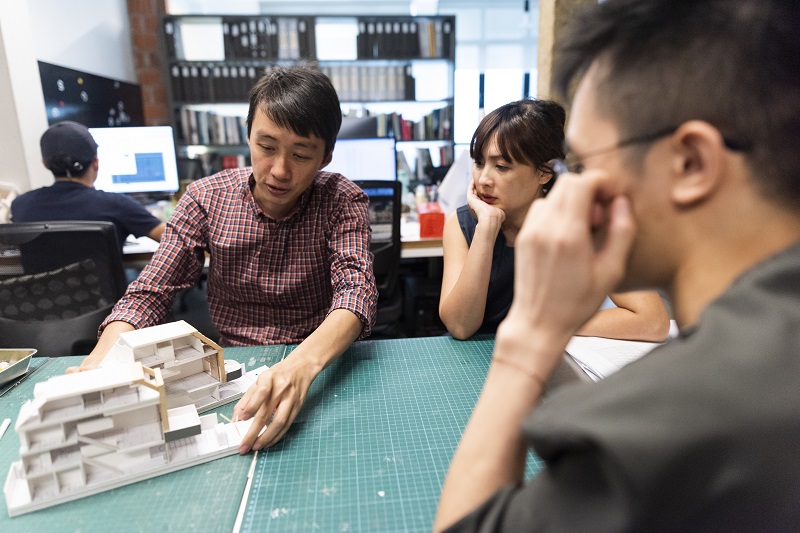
301 99
732 63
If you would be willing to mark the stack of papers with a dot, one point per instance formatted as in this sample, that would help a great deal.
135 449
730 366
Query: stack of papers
599 357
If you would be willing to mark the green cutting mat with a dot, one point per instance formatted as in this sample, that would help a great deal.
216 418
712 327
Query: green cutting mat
201 498
371 448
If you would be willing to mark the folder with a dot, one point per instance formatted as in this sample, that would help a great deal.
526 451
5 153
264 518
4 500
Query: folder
185 95
413 39
225 84
175 82
204 93
306 38
274 39
234 40
169 38
361 40
448 46
227 39
216 87
371 50
380 40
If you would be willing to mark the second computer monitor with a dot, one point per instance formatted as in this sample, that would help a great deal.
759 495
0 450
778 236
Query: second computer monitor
136 159
365 159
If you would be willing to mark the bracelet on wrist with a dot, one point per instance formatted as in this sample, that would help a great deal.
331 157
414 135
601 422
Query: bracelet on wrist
527 371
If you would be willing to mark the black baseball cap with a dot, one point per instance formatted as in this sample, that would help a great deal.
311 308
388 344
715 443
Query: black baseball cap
68 148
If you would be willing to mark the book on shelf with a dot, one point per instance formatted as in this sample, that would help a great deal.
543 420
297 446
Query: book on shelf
371 83
208 127
212 83
404 38
252 37
171 40
435 126
213 162
424 162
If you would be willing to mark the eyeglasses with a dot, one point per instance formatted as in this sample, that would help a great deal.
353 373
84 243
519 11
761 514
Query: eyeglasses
563 166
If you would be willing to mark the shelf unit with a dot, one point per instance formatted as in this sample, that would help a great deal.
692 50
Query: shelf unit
399 69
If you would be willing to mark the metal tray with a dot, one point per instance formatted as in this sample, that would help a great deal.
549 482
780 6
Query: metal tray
19 359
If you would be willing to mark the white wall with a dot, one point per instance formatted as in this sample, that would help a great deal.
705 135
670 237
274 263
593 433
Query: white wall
88 35
21 101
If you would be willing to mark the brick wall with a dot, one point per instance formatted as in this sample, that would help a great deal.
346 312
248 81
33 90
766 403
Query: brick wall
145 21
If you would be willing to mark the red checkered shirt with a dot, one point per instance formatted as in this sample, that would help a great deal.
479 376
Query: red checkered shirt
269 281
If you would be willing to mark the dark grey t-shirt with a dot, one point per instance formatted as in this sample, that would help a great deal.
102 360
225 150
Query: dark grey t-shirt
702 434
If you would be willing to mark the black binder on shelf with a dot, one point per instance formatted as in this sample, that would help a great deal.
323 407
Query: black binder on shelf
410 84
204 87
224 84
256 38
395 43
371 46
227 39
361 40
233 80
448 45
413 39
307 38
170 39
264 50
185 85
244 40
232 46
193 84
245 82
175 82
380 40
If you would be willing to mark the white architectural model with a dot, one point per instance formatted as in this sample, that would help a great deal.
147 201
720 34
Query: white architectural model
93 431
192 365
134 418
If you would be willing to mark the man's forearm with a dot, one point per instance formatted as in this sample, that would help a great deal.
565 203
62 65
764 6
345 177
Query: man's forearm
492 452
104 344
336 333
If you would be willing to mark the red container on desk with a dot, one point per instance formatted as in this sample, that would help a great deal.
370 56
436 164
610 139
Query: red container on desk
431 220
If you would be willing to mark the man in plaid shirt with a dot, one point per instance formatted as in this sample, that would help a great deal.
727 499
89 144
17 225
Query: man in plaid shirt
288 249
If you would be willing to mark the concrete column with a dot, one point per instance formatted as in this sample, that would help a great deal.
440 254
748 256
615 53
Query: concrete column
553 18
21 101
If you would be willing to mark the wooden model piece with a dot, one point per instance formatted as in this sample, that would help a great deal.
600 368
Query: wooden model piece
92 431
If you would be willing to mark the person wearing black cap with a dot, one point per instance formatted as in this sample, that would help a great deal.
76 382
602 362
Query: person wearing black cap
70 152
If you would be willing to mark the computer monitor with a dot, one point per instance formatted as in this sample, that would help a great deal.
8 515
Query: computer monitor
136 159
365 159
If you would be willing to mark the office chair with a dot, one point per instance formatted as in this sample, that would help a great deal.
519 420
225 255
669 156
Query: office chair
384 213
58 282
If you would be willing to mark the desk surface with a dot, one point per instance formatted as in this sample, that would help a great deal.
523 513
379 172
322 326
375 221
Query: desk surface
368 452
139 251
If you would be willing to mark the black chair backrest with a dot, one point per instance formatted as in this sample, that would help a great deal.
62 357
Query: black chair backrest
385 207
58 281
48 246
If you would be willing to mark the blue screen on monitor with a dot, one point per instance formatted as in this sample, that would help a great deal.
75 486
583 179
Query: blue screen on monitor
136 159
365 159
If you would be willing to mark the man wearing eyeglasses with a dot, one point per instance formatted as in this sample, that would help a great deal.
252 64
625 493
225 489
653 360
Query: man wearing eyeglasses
684 125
